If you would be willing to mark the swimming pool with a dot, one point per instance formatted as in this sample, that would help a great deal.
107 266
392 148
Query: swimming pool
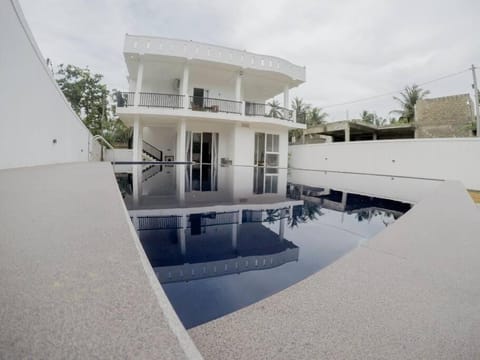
222 239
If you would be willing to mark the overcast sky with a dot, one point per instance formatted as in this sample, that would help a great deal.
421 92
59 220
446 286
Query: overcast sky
352 49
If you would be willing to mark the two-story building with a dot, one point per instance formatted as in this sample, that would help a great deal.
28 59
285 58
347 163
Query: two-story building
207 104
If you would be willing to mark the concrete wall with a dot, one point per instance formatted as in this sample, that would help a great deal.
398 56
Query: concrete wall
452 159
37 125
449 116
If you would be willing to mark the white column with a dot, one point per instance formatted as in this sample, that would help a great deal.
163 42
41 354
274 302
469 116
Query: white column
286 97
281 229
286 100
137 156
180 156
238 91
347 132
234 236
181 235
238 86
184 85
181 135
137 139
138 88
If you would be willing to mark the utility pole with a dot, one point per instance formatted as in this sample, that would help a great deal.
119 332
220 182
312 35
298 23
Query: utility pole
476 94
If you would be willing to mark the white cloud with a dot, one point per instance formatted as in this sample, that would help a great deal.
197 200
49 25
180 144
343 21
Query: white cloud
352 49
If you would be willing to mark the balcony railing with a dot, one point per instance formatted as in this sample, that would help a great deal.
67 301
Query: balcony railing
301 118
124 99
259 109
173 101
200 103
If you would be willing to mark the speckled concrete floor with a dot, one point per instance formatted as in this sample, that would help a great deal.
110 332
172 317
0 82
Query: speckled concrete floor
74 281
409 293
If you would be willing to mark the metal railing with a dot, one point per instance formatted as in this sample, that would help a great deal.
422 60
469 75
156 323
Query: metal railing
267 110
100 137
159 222
150 171
173 101
302 118
213 219
125 99
200 103
152 151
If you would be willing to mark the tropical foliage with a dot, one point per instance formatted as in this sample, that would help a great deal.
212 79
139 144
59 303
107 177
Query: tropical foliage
308 114
407 100
275 109
372 118
311 115
309 211
90 99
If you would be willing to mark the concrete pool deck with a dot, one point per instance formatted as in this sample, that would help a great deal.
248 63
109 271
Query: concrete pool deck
74 280
411 292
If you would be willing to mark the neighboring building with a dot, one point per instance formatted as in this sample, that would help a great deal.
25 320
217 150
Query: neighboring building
449 116
189 101
356 130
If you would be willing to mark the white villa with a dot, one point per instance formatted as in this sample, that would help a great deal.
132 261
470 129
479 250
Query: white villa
190 101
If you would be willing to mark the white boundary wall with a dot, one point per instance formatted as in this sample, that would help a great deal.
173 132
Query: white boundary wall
443 159
37 124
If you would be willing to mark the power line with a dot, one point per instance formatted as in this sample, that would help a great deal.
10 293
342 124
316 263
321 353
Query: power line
394 92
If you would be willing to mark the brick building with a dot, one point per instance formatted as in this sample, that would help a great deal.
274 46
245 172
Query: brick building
449 116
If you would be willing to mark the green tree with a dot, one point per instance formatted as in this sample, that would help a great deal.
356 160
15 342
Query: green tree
89 98
301 108
87 95
315 116
372 118
275 110
407 100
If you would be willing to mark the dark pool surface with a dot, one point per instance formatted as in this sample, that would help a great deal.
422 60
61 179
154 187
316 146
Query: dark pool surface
245 238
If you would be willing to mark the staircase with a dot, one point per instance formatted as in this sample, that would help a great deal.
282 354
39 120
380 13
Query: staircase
151 153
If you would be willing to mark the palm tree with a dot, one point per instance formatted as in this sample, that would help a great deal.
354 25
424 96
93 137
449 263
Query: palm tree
372 118
316 116
274 109
300 107
304 213
408 98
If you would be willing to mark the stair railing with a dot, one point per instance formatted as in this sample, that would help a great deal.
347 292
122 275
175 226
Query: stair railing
101 138
151 150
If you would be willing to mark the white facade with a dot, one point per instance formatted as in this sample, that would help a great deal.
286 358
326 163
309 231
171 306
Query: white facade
37 125
182 93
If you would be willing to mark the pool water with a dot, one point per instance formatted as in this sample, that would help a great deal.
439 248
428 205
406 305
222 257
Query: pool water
250 235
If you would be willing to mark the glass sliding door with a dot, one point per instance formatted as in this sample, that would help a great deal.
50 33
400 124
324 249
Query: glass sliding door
204 153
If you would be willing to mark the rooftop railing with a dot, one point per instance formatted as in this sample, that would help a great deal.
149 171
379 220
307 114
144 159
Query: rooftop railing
267 110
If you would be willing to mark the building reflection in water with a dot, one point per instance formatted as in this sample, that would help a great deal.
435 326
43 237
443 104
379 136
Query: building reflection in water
221 240
195 245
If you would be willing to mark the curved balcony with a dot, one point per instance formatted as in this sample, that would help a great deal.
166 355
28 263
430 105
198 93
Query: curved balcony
204 104
212 53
